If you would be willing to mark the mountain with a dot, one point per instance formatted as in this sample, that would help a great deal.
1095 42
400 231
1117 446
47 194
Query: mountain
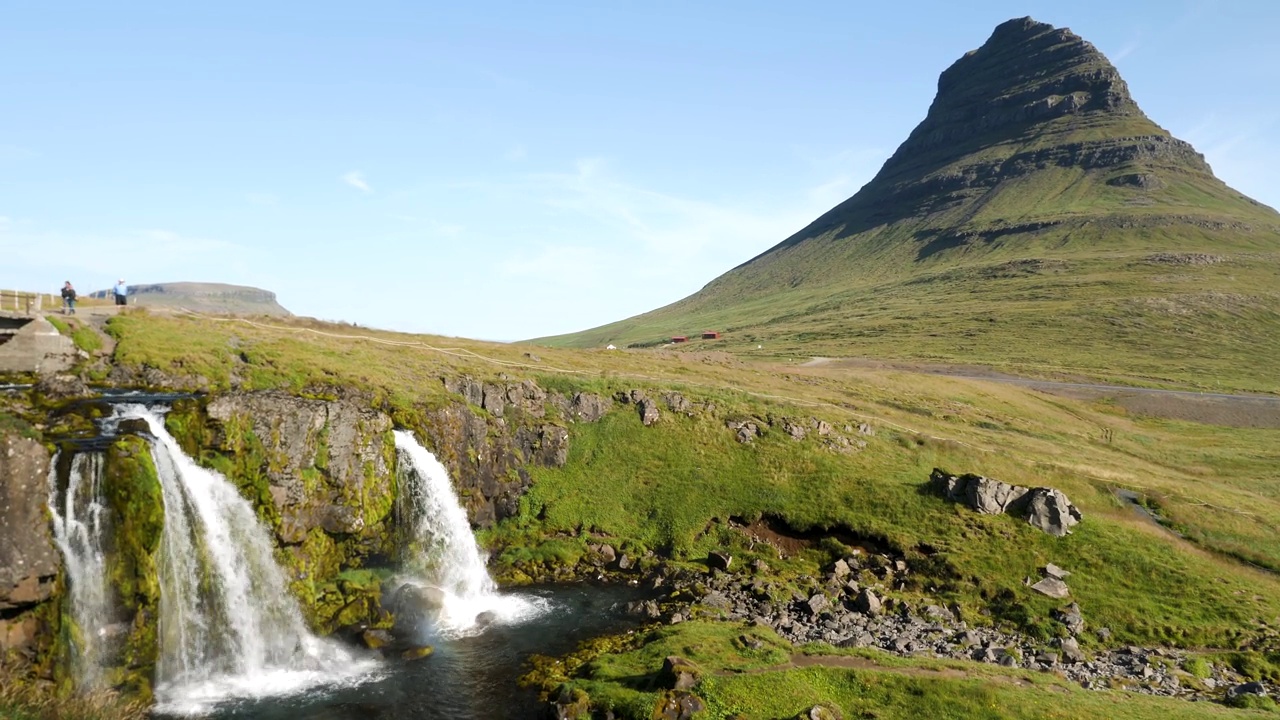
1035 219
218 298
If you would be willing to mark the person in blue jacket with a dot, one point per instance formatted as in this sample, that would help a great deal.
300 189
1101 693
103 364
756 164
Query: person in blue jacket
122 293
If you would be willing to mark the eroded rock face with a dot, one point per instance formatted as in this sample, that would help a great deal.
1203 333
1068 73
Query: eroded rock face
1046 509
327 463
28 558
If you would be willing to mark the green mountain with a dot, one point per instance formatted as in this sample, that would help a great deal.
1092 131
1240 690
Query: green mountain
1036 219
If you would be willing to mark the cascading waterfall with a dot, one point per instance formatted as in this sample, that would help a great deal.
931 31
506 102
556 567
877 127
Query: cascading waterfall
78 530
443 550
228 625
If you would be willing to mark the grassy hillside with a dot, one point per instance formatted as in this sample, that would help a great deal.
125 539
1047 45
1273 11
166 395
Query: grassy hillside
1007 231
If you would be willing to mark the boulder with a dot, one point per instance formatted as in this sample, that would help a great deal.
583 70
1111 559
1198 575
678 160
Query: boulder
1071 617
867 603
62 387
1044 508
678 673
648 410
678 705
1053 587
822 711
1051 511
28 559
1070 650
1249 688
817 603
719 560
589 407
1054 571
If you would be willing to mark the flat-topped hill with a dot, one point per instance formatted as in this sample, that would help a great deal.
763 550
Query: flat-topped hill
218 298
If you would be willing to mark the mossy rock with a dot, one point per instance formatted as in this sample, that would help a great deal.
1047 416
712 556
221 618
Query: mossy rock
417 653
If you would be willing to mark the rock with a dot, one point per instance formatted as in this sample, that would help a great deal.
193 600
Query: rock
841 569
677 403
866 429
648 410
1052 587
1104 634
571 704
678 673
1051 511
62 387
417 601
626 562
678 705
606 554
28 560
822 711
719 560
1249 688
589 407
1054 571
375 639
417 653
823 427
817 603
983 494
1072 618
794 429
1070 650
867 603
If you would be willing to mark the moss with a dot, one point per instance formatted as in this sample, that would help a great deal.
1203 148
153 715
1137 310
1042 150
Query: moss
133 493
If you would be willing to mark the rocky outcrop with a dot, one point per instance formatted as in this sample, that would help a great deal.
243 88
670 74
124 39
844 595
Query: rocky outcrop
204 297
317 463
1046 509
28 558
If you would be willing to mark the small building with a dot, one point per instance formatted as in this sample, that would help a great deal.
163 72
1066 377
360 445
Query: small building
710 335
679 339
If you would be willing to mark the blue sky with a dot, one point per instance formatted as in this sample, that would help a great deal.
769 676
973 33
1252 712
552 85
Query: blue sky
511 170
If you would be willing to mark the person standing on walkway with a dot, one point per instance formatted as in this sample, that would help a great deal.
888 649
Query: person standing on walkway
68 299
122 293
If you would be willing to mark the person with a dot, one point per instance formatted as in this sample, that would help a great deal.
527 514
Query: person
68 299
122 293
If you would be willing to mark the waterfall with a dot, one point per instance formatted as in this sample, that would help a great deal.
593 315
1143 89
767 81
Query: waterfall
228 625
78 527
442 549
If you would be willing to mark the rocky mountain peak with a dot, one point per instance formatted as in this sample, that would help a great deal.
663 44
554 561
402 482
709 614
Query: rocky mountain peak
1025 74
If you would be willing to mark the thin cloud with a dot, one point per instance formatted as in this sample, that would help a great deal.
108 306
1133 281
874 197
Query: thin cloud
355 179
1129 48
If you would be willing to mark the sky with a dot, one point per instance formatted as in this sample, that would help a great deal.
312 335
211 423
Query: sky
512 170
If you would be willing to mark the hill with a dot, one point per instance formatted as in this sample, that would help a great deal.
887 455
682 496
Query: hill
204 297
1036 219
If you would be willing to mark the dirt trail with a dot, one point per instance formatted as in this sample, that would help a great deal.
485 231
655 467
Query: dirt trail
1226 409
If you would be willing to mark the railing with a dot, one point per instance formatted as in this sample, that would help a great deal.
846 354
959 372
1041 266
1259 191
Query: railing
32 303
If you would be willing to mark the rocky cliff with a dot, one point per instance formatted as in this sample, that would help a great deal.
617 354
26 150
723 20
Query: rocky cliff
218 298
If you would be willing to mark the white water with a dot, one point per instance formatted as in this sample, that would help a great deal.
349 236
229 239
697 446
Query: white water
78 527
228 626
443 550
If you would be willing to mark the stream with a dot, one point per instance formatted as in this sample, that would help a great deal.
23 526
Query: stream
468 678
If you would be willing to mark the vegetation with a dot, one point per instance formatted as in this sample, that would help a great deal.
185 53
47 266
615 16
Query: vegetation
752 674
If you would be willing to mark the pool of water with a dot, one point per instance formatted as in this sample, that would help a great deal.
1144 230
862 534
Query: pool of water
466 678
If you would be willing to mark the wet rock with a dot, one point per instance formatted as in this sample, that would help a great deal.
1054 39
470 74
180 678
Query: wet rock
62 387
28 560
376 639
417 653
571 704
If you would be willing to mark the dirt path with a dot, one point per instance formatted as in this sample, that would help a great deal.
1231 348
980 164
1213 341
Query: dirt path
1226 409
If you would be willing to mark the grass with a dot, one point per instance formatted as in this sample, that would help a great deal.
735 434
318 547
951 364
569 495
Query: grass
84 336
759 680
671 488
21 699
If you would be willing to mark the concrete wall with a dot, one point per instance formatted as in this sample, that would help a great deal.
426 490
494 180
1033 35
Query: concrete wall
35 346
